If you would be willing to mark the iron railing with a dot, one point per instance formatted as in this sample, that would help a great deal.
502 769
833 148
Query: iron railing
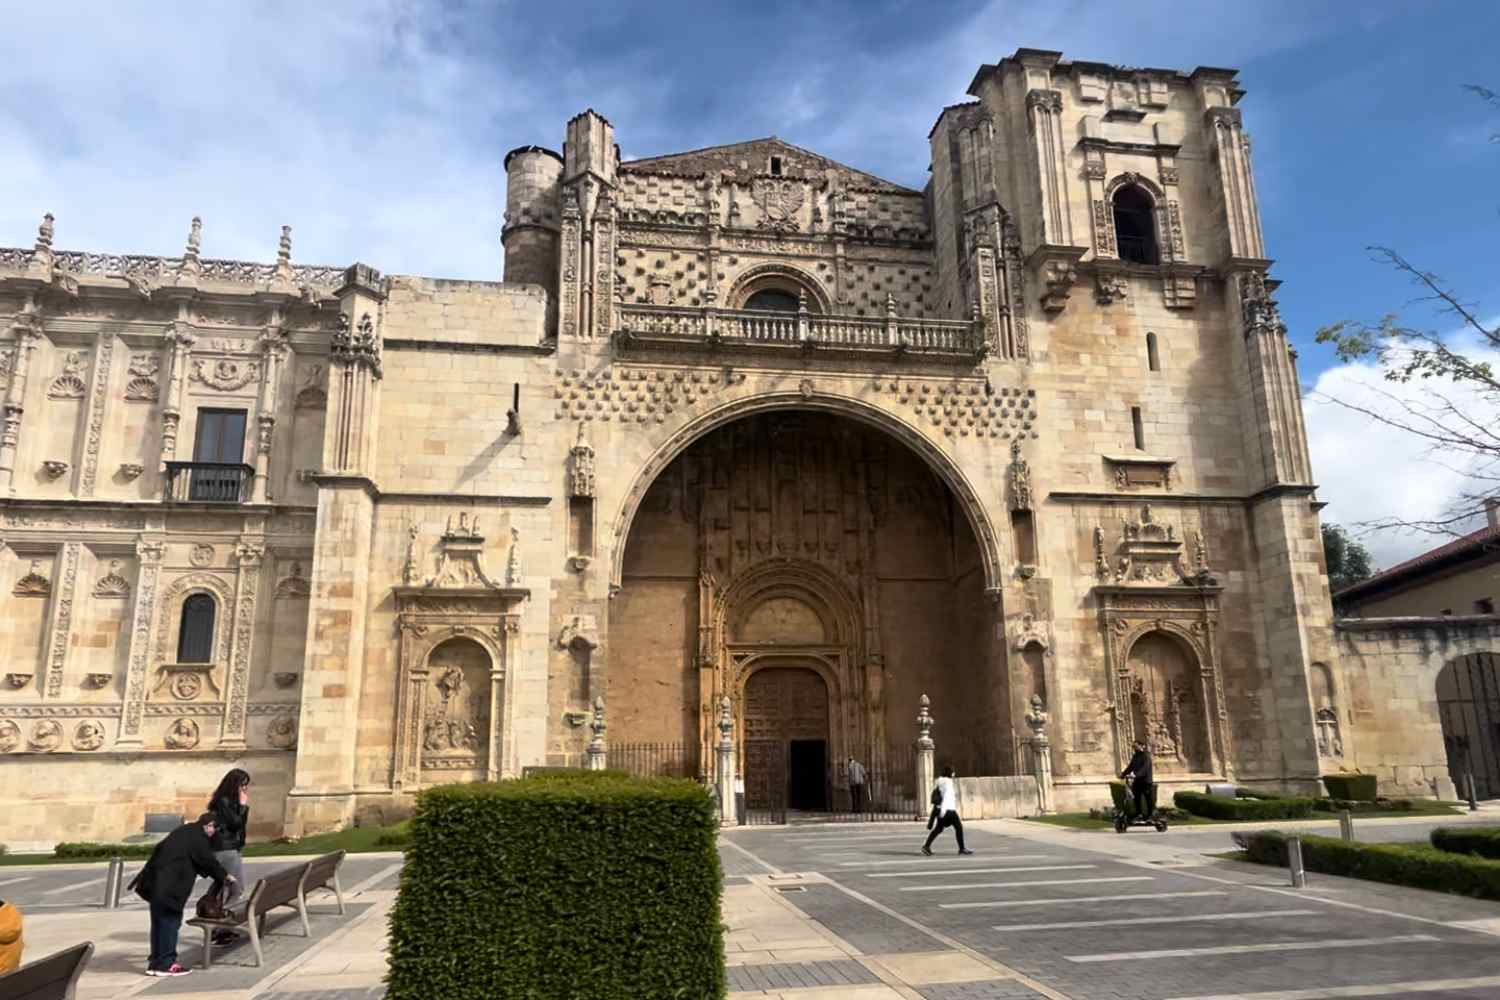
655 760
208 482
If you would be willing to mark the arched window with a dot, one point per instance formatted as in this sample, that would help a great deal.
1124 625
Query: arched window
773 300
1135 225
1153 360
195 635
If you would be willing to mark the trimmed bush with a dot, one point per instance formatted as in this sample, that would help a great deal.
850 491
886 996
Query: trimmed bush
1360 787
87 850
583 884
1415 865
1217 807
1481 840
1255 793
1359 806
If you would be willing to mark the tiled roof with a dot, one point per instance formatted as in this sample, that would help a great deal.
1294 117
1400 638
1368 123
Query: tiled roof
1469 545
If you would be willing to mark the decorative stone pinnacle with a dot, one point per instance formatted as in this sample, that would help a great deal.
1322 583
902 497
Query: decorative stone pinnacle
726 723
284 246
925 723
195 239
890 304
597 725
44 232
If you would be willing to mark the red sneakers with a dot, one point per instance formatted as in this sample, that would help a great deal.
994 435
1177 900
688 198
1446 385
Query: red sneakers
175 970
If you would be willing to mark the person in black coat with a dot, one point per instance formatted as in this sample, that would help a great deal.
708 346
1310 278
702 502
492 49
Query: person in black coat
166 882
1138 773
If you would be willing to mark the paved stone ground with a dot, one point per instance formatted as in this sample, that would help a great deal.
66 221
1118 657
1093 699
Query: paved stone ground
855 913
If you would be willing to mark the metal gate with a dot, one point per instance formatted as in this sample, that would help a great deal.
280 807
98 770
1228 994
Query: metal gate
1468 692
888 792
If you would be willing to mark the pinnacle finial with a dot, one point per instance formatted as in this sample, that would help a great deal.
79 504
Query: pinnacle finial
284 247
195 238
44 232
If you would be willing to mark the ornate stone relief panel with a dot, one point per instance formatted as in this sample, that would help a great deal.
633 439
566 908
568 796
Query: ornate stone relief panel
966 408
636 395
69 382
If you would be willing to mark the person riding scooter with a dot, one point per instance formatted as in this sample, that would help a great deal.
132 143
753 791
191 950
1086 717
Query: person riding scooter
1142 788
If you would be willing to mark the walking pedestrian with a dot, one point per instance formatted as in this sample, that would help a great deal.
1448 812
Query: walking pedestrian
166 881
856 785
1138 773
11 941
230 805
945 813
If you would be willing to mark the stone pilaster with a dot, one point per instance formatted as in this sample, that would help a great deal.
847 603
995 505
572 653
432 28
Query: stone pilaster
1236 183
354 374
273 354
60 626
28 332
148 556
104 351
249 553
1050 147
181 338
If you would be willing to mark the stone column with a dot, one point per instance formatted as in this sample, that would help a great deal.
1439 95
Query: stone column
1041 753
597 753
273 353
926 751
249 553
181 338
724 773
28 330
149 554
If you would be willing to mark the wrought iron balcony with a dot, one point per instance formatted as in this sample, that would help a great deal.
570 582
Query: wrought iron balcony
208 482
685 327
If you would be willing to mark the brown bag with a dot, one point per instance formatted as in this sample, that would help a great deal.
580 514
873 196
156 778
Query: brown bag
211 903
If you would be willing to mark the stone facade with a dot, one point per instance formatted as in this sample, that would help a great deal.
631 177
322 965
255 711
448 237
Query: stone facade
743 421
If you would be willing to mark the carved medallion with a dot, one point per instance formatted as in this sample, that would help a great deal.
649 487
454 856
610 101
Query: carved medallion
282 732
10 736
46 736
186 686
89 735
202 555
183 735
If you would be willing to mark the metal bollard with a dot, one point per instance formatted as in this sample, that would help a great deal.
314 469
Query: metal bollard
1346 825
1294 862
112 881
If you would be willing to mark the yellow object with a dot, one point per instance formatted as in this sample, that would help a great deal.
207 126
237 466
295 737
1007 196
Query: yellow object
10 938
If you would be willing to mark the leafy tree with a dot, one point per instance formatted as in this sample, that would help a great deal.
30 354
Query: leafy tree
1348 560
1451 394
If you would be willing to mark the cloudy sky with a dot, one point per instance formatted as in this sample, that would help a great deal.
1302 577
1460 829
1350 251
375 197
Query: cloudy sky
376 130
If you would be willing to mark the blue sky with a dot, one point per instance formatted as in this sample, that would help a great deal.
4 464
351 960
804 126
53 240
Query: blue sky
376 129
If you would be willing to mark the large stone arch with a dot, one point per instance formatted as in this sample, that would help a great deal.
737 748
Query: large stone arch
678 441
781 277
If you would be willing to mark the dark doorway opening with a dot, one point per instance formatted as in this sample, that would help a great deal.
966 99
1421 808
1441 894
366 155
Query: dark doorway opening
807 759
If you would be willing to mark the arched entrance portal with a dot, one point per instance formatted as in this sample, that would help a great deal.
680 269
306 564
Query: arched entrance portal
787 738
1166 698
793 546
1468 694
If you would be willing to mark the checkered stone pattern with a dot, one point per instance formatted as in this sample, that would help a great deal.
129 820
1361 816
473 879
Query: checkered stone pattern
797 975
998 989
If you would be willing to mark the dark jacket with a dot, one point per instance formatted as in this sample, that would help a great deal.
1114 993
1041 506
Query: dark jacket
1139 768
178 861
233 818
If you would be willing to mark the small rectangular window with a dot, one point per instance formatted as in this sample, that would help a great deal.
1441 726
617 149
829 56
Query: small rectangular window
221 436
1138 428
775 166
1484 606
1153 360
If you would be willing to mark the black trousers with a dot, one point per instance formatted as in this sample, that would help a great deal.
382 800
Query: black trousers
946 820
166 922
857 797
1142 791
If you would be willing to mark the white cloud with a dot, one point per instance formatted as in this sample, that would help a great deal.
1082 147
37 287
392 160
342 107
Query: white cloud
1369 471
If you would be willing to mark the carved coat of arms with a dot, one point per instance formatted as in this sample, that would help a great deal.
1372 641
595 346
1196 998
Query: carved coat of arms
780 201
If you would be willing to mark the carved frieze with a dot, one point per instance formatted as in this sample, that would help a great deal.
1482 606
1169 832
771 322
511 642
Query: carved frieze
62 620
581 467
201 555
1020 478
46 736
10 736
225 374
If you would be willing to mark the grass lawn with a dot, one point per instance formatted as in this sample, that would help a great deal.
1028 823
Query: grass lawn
1420 807
1082 821
357 840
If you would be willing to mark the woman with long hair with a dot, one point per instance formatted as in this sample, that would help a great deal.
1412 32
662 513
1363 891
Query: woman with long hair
231 806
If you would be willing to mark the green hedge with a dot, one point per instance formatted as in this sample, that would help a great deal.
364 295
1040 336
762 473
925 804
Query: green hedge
1218 807
1363 806
1481 840
1415 865
1360 787
89 850
561 885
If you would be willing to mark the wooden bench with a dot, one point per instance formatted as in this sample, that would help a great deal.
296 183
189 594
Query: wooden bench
52 978
285 887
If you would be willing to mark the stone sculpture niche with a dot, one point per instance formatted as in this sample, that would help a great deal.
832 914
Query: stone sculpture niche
456 719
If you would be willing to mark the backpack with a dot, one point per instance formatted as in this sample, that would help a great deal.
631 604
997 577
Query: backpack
937 795
211 903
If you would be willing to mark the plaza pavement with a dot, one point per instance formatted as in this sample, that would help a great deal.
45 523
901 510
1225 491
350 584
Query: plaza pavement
852 912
